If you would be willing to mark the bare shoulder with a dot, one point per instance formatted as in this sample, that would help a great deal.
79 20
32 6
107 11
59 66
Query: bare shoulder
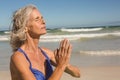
17 57
18 61
49 52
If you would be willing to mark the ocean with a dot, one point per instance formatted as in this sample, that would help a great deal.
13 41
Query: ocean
72 33
92 46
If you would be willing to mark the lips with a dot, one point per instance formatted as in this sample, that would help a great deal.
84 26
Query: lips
43 28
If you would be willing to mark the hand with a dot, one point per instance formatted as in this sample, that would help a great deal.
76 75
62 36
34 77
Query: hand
62 55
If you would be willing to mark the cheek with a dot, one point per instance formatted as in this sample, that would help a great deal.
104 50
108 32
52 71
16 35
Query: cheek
33 27
36 29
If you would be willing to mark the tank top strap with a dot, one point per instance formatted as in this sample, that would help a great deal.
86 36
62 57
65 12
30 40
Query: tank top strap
20 50
49 69
45 54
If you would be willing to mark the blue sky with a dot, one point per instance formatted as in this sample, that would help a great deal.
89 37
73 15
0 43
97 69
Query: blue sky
67 13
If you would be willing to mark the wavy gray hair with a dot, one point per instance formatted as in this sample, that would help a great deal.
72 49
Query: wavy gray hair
19 22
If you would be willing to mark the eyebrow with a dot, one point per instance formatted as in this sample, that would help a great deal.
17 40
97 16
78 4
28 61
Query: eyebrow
39 17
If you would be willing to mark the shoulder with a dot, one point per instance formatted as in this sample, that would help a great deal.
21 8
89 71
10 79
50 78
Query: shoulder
49 52
17 56
20 67
19 61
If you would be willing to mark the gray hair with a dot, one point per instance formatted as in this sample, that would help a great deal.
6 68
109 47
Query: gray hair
19 22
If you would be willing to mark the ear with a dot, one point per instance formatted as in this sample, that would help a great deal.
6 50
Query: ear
26 29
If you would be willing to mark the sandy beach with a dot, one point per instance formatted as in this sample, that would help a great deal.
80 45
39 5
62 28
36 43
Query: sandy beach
92 67
87 73
97 73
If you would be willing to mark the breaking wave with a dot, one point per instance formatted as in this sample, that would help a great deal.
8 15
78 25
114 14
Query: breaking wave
57 34
102 53
81 30
54 38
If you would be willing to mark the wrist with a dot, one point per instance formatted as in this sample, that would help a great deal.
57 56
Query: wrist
62 67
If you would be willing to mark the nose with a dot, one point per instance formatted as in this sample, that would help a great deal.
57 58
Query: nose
43 21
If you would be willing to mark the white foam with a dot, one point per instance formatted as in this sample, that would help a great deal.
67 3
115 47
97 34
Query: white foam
4 38
7 32
81 30
102 53
54 38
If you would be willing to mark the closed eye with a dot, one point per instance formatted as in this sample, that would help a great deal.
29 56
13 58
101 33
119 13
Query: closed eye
38 18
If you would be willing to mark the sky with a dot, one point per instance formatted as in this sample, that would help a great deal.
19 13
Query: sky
66 13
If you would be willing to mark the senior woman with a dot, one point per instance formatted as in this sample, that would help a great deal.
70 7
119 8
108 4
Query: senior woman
29 61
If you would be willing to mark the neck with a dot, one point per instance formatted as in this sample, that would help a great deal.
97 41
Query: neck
31 44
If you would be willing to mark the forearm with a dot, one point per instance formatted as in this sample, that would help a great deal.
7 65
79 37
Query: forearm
72 70
57 74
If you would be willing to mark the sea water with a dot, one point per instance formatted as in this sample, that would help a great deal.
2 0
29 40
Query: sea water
94 46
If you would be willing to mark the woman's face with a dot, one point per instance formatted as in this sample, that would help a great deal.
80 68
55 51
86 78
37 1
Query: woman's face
36 24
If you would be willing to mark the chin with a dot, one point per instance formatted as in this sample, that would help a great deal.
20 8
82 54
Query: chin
43 33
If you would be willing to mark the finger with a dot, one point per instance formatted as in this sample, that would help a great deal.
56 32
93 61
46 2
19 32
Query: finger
55 52
68 53
61 43
69 50
62 47
64 43
67 46
58 55
60 52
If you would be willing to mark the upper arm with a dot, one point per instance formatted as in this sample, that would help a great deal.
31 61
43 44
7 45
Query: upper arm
21 67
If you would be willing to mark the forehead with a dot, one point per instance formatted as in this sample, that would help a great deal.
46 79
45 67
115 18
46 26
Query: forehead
35 13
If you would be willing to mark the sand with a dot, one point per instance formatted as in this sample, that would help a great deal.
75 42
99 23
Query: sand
5 75
87 73
97 73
